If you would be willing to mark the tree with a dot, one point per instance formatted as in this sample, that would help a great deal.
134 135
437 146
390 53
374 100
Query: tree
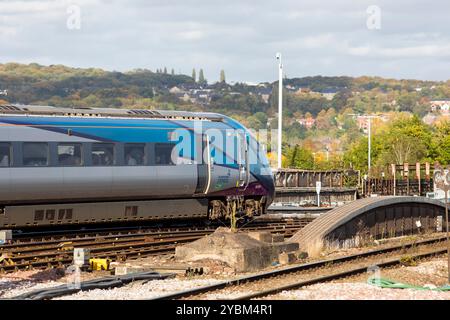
298 157
222 76
194 75
172 72
165 70
404 139
201 78
443 151
407 139
324 120
441 142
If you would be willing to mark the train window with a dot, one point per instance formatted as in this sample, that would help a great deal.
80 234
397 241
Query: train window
134 154
50 214
163 153
5 154
38 215
102 154
69 154
69 213
61 213
35 154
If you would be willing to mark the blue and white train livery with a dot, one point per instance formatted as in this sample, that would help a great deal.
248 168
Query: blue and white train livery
77 166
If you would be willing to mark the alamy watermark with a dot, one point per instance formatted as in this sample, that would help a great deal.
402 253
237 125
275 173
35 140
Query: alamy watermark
373 21
199 145
73 277
73 21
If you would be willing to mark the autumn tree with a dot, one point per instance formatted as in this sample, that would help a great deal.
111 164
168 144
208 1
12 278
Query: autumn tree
298 157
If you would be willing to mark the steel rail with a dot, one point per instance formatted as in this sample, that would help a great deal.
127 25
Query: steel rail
337 275
38 255
21 248
138 230
296 268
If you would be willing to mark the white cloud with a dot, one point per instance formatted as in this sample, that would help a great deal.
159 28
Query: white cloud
241 36
419 51
191 35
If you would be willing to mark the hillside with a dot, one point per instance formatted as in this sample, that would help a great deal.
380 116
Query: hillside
318 111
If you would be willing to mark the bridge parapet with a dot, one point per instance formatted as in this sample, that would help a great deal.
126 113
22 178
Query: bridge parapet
364 220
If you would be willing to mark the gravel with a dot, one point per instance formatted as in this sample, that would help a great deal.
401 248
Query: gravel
139 290
12 288
358 291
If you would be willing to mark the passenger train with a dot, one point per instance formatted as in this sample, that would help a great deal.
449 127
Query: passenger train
61 166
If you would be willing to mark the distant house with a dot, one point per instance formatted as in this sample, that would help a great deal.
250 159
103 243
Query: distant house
265 97
291 88
264 92
442 106
363 122
303 90
201 96
176 90
307 122
184 96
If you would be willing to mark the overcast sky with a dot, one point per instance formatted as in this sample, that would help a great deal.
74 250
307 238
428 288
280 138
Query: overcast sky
316 37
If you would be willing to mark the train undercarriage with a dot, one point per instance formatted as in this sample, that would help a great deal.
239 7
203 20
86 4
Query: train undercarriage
238 205
79 213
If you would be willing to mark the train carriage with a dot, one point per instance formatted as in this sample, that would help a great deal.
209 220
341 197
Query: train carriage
77 166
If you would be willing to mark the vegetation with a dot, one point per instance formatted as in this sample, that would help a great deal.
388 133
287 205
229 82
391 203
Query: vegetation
335 140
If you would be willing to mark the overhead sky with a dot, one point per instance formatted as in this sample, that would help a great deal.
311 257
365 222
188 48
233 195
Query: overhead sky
397 39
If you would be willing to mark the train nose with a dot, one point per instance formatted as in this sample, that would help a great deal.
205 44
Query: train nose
269 184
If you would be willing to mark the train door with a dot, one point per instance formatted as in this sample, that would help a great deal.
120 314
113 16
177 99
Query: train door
204 167
218 177
242 157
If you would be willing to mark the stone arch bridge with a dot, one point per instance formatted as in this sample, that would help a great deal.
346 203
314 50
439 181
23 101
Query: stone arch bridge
368 219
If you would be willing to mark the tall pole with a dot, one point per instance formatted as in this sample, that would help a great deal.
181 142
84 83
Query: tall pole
369 142
280 107
447 232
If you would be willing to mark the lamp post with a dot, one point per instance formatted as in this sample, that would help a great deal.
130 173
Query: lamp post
442 181
369 138
280 107
369 118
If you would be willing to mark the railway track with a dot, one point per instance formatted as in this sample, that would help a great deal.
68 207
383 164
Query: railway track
270 283
45 252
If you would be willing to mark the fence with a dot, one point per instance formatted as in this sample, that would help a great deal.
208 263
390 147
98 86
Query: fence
399 179
298 178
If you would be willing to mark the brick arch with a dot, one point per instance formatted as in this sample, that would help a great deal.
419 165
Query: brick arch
369 219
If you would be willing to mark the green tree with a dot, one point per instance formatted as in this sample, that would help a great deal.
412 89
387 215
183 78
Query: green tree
441 143
201 78
165 70
222 76
172 72
298 157
404 139
407 139
262 117
194 75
